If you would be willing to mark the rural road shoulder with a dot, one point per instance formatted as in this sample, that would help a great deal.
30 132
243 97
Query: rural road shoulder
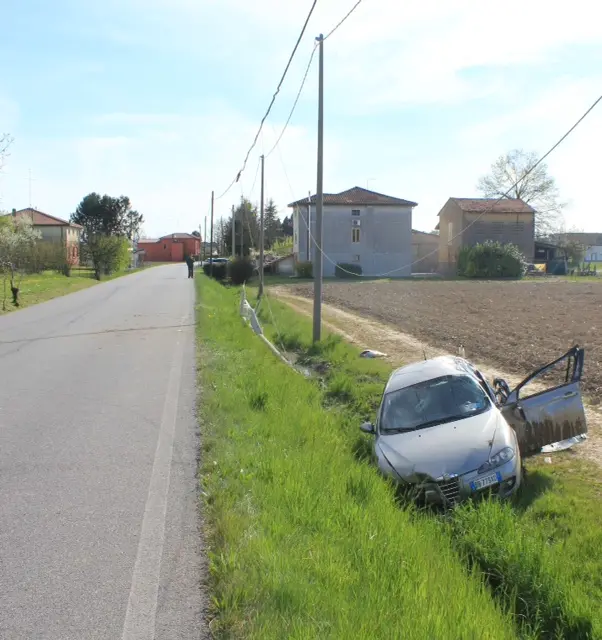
99 523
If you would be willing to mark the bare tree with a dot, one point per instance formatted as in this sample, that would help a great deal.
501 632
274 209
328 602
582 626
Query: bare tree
535 187
5 141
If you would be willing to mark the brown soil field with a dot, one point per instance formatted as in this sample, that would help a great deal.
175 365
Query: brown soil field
517 326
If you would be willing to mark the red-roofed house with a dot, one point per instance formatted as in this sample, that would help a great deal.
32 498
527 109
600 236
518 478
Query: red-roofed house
464 222
360 227
171 248
53 229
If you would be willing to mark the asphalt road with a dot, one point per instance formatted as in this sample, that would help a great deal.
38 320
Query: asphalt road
99 524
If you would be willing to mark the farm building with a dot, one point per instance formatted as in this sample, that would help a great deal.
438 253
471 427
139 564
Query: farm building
171 248
359 227
464 222
425 252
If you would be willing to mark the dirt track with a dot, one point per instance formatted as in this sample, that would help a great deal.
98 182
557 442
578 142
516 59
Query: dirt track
516 326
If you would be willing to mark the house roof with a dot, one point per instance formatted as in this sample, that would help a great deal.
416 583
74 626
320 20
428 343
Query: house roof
357 196
179 236
45 219
493 205
281 258
426 233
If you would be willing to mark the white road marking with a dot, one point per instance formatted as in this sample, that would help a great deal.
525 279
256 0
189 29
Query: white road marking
142 604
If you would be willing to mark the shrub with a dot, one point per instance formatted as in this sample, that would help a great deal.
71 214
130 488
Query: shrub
220 270
109 254
347 270
304 269
491 260
240 270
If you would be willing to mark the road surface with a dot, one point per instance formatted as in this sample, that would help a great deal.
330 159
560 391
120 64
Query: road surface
99 531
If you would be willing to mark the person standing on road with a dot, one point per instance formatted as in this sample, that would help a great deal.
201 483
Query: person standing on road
190 263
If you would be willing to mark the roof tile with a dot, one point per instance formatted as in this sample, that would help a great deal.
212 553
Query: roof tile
357 196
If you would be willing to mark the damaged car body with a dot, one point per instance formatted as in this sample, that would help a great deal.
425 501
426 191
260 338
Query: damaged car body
447 434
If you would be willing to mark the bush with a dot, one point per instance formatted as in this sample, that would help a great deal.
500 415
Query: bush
304 269
347 270
491 260
220 270
108 254
240 270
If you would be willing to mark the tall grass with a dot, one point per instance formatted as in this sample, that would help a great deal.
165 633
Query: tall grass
305 541
541 554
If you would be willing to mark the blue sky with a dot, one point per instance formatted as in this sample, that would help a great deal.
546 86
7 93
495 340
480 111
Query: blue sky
160 99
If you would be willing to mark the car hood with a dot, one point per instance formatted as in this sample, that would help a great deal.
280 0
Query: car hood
452 448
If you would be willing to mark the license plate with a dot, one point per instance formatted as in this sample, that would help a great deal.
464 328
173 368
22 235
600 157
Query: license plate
486 481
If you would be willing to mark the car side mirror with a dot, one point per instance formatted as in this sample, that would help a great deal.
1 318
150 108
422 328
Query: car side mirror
367 427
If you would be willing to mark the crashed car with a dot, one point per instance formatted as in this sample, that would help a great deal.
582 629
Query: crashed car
444 431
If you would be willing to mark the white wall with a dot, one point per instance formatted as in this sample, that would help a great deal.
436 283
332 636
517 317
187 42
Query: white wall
593 254
385 238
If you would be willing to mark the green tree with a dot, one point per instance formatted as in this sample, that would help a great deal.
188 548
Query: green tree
537 189
271 224
247 228
107 216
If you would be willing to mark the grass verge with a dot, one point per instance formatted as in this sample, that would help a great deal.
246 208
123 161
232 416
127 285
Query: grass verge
305 540
541 554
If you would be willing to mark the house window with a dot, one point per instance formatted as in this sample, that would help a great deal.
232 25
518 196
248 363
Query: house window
355 212
165 246
355 235
356 258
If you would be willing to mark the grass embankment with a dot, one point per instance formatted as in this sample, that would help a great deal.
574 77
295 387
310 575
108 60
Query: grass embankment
41 287
305 540
542 553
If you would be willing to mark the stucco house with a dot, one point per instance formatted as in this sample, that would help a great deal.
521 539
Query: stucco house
171 248
359 226
53 229
467 221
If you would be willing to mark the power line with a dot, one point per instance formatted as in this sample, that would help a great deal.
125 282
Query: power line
267 113
355 6
486 211
290 115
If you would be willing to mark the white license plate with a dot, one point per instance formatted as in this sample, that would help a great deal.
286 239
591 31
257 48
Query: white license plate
486 481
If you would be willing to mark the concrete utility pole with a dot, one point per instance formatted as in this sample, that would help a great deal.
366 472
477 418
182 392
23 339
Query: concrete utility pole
308 226
205 240
317 266
261 235
233 233
211 241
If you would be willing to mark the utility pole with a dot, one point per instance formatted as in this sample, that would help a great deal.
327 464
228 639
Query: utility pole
205 240
211 241
261 236
317 266
308 226
233 233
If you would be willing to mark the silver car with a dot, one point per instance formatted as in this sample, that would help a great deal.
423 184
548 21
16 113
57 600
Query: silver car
445 431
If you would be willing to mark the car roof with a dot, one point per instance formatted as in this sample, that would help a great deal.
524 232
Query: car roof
428 370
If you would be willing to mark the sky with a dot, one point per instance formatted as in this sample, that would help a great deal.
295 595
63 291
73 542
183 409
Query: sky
160 100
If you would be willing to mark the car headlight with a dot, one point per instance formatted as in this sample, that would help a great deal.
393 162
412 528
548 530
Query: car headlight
501 457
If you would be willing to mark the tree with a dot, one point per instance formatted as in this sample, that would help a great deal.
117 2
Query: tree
538 189
271 224
17 241
196 234
5 141
287 226
247 228
107 216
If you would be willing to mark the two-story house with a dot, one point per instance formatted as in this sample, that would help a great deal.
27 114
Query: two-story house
464 222
359 227
53 229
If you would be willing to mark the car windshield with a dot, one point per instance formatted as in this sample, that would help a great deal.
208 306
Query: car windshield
432 402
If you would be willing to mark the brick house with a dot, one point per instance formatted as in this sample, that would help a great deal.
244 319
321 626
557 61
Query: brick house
464 222
53 229
171 248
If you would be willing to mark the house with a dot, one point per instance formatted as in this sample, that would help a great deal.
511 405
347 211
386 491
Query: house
544 251
593 254
591 243
425 251
283 266
464 222
359 227
53 229
171 248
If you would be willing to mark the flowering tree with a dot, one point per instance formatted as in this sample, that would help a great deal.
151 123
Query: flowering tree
17 240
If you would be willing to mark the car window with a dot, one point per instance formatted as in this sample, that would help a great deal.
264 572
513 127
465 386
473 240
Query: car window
435 401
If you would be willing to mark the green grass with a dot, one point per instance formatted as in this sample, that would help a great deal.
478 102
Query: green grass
40 287
305 540
542 553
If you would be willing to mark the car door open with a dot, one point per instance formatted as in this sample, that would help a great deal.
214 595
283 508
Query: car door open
552 410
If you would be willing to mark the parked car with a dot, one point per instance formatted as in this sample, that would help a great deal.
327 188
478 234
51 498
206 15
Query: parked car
214 260
443 430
